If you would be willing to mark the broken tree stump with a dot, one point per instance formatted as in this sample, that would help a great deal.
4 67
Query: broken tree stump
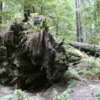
33 58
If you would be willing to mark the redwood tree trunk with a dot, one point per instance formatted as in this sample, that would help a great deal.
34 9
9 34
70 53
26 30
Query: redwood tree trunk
0 10
57 26
78 22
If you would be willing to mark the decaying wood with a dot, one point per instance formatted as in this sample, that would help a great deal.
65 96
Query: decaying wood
88 48
30 56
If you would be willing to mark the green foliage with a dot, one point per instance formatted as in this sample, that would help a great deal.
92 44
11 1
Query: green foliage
73 74
91 65
38 27
96 91
63 96
2 47
91 20
59 11
10 8
38 97
62 16
92 62
15 96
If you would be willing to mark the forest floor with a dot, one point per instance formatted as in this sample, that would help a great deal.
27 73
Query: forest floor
81 82
82 91
64 90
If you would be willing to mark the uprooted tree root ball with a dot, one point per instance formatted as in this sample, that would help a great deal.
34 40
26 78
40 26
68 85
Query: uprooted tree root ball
29 55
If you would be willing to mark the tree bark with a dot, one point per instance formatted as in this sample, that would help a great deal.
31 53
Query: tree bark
42 8
78 22
28 8
0 10
32 59
57 26
88 48
27 11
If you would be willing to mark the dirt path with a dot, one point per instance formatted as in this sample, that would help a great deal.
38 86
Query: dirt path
80 92
83 92
5 91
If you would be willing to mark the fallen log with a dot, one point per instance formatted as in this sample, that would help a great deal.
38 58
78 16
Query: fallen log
88 48
32 58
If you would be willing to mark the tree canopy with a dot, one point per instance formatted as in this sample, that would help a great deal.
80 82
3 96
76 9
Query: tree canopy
62 16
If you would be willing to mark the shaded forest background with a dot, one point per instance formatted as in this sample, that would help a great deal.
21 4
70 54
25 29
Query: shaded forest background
74 20
38 60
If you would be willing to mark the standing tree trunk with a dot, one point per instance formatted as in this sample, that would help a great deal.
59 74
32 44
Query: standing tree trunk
42 8
78 22
27 11
57 27
33 9
28 8
0 10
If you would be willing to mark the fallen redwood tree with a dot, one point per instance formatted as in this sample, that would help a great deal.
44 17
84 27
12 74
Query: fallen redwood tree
29 56
88 48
